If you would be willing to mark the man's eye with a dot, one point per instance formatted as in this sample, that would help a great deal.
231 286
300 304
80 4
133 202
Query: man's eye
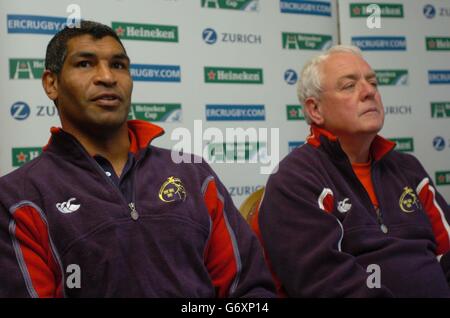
349 86
119 65
83 64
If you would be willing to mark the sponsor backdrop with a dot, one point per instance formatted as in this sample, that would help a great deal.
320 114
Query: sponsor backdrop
411 56
205 69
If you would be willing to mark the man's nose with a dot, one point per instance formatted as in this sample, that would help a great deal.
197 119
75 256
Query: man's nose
368 90
104 75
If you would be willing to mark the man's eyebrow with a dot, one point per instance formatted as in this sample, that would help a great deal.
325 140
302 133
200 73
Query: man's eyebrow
121 56
355 77
85 54
348 76
371 75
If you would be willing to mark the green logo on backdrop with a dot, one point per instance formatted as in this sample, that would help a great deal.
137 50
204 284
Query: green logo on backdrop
392 77
437 43
294 112
235 151
23 155
404 144
245 5
388 10
26 68
440 110
155 112
306 41
233 75
146 32
442 177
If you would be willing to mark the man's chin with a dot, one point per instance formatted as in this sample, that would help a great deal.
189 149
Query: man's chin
373 129
104 125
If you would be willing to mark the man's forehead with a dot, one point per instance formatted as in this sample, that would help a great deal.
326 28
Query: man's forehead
339 65
88 43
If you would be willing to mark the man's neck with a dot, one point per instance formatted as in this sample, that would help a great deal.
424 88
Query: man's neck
113 146
357 149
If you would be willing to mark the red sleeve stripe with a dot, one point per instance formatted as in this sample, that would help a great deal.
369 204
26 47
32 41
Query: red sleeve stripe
35 251
237 255
441 229
21 261
222 257
326 200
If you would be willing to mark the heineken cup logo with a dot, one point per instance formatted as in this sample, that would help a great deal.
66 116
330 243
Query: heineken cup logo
235 152
146 32
26 68
306 41
442 177
440 110
392 77
387 10
242 5
295 112
21 156
155 112
233 75
438 43
404 144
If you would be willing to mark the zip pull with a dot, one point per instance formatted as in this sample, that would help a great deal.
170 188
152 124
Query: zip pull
134 213
383 227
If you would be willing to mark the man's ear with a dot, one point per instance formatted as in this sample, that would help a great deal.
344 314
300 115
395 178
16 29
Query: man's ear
50 84
314 111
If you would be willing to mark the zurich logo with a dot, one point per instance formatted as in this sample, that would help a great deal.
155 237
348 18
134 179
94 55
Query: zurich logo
209 36
20 110
290 76
429 11
439 143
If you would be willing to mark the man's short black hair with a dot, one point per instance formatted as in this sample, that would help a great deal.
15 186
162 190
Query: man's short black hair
57 47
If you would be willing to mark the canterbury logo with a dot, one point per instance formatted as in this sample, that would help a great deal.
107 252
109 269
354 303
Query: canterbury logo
67 207
344 206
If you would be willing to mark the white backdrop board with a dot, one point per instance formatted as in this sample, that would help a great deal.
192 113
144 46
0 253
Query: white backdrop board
200 64
411 55
220 62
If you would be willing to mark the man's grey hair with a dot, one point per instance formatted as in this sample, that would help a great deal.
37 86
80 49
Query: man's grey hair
310 83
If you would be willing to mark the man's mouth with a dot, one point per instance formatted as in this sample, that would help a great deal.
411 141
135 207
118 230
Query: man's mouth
107 99
370 110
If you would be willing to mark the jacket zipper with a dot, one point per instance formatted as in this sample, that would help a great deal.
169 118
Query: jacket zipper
383 226
377 210
133 212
